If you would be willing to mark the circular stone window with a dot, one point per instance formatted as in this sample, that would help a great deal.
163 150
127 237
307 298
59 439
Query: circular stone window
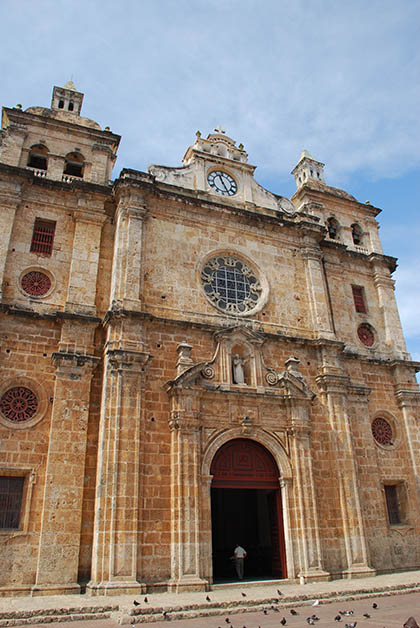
35 283
366 335
382 431
231 285
18 404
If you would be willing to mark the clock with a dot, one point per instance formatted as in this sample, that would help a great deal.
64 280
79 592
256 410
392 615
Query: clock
222 183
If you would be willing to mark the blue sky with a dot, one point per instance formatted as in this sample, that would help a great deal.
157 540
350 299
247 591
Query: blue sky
340 79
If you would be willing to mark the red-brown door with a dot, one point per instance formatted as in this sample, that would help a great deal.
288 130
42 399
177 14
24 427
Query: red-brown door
246 478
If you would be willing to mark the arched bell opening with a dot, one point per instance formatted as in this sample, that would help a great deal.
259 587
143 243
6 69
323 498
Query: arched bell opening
246 509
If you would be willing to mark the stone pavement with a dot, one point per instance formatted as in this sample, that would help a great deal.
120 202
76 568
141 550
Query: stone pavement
231 600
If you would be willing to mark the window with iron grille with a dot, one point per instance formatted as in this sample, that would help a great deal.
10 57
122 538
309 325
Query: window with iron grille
392 503
11 494
359 299
43 237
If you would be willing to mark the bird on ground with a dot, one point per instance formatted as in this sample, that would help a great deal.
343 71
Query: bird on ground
243 594
315 618
136 603
337 618
310 621
374 605
315 603
346 613
279 592
366 615
265 611
146 599
293 612
352 625
283 621
164 613
208 598
227 620
411 623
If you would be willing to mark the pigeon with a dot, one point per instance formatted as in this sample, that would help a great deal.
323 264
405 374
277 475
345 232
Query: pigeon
279 592
208 598
283 621
352 625
310 621
337 618
293 612
164 613
265 611
314 617
315 603
243 594
136 603
227 620
411 623
146 599
366 615
374 605
347 613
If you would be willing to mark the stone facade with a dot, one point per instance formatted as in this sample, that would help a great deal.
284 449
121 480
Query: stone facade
169 339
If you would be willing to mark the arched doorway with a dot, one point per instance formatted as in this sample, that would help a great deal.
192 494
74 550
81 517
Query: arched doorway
246 508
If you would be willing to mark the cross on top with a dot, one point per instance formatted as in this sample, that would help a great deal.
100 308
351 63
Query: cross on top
219 129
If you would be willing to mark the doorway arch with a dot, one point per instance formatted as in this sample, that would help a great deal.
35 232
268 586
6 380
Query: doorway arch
246 508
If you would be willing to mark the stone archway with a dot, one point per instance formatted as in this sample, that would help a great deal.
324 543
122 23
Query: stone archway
246 508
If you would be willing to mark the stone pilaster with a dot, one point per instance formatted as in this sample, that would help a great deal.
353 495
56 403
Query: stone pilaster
186 491
408 399
318 292
307 531
81 294
334 390
385 286
117 516
126 275
58 557
9 201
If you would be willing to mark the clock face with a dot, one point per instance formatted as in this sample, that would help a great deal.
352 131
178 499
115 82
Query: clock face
222 183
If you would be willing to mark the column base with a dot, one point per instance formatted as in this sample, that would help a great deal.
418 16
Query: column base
115 588
313 575
358 571
55 589
188 583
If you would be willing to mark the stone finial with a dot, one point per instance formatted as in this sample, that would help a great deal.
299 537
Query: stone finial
70 85
184 357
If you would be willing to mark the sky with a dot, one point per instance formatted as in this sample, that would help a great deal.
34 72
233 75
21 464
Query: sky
340 79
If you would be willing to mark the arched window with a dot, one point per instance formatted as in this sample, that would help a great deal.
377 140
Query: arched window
356 233
38 157
74 165
333 228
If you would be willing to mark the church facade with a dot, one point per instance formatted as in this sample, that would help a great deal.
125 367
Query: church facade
189 361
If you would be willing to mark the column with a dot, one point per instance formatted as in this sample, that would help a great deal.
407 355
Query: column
334 393
186 492
309 547
116 526
318 292
9 201
126 275
81 294
58 557
409 402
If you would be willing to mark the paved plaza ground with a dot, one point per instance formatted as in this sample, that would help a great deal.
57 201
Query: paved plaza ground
250 605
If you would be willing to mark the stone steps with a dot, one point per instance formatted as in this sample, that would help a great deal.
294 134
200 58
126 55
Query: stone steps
124 615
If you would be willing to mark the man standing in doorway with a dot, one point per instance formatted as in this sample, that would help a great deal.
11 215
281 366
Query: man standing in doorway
239 555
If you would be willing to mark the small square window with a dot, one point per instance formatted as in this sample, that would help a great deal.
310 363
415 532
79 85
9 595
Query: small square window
11 496
43 237
359 299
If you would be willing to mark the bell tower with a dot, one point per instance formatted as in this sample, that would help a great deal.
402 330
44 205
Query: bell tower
308 168
67 98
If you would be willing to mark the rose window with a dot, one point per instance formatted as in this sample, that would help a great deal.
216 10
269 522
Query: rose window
230 284
382 431
366 335
35 283
18 404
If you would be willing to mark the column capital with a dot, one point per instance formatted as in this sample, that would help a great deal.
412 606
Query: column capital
407 397
127 360
74 366
184 421
333 383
